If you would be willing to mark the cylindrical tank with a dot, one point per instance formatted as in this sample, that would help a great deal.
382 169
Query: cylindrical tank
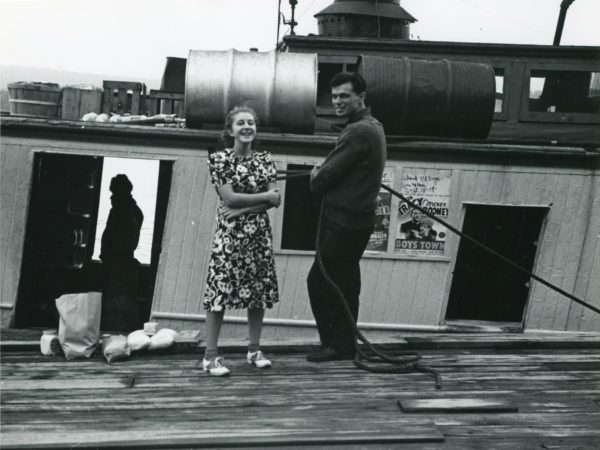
430 98
280 87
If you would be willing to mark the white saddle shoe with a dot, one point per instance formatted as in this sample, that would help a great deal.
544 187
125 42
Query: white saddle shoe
215 367
257 359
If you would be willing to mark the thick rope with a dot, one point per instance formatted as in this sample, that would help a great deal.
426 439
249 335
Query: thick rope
400 362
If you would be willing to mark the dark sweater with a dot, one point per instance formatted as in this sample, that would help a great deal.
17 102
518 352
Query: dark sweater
350 177
122 232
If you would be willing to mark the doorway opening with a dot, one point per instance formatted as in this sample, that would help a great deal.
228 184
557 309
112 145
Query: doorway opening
484 287
68 205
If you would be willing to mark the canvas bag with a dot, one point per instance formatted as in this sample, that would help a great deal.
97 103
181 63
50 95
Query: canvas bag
79 326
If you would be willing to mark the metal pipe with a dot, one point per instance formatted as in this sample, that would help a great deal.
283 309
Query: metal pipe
300 323
564 5
278 24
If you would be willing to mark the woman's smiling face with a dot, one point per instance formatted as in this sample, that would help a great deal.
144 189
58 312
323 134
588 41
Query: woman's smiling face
243 128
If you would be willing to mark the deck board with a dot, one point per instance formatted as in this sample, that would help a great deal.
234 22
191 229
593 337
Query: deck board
165 401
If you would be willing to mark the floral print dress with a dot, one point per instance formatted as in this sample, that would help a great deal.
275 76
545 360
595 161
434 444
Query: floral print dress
241 271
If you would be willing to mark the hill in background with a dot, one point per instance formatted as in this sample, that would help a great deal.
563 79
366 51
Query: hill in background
11 74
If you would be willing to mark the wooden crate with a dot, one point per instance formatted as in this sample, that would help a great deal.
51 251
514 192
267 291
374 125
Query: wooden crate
123 97
34 99
77 101
159 102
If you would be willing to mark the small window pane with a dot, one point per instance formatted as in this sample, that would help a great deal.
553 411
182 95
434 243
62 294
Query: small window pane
499 90
300 213
562 91
326 73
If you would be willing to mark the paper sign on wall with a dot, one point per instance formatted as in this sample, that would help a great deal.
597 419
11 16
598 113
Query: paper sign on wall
417 234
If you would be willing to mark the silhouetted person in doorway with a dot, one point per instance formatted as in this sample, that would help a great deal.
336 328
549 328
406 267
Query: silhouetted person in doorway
119 241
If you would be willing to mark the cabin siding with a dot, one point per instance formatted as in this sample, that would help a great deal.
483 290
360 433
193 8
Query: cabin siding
397 290
15 168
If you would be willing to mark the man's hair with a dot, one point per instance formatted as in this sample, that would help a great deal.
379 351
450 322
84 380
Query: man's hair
120 185
359 85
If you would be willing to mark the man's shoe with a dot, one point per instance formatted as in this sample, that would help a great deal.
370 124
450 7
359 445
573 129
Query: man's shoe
257 359
329 354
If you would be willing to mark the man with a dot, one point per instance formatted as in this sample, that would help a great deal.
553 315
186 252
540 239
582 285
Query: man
413 226
348 183
119 241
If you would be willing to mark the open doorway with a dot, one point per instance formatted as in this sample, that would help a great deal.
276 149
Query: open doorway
483 286
66 218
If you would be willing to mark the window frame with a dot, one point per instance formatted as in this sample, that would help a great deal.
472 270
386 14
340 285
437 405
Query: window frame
565 117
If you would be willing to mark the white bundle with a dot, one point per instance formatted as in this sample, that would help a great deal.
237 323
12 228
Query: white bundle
115 348
89 117
138 340
163 339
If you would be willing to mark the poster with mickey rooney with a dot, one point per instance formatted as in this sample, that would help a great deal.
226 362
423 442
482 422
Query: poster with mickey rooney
416 233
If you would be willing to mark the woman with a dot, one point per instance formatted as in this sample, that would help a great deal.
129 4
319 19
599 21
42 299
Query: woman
241 272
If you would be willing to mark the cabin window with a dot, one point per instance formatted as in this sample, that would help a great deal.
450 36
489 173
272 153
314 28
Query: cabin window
300 213
326 73
564 91
499 105
143 174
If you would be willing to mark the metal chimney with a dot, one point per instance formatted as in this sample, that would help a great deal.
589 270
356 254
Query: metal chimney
381 19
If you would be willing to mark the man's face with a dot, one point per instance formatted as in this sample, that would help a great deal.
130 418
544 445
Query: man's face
345 101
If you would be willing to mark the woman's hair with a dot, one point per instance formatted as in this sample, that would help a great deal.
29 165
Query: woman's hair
226 138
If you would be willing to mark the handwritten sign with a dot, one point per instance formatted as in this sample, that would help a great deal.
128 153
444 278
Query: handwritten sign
416 233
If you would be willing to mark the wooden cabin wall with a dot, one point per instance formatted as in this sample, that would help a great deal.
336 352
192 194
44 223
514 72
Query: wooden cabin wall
414 291
396 290
16 162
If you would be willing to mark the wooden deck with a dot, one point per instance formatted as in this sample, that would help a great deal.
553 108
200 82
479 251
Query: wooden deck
500 391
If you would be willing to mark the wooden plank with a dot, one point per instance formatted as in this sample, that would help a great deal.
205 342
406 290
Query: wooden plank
180 437
14 206
586 259
60 384
560 306
539 315
573 366
457 405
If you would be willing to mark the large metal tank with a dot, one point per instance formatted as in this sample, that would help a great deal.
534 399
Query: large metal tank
430 98
280 87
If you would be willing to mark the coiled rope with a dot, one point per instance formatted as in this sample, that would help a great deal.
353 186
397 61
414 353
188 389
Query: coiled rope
369 358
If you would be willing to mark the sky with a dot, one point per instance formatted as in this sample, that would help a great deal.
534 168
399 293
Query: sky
134 37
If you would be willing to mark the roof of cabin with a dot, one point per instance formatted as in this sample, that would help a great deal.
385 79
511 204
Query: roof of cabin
472 48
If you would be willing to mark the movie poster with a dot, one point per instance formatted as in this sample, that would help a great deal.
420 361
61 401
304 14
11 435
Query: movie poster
417 234
378 242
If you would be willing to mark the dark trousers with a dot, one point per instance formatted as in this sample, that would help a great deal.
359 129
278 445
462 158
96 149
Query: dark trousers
340 249
119 297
